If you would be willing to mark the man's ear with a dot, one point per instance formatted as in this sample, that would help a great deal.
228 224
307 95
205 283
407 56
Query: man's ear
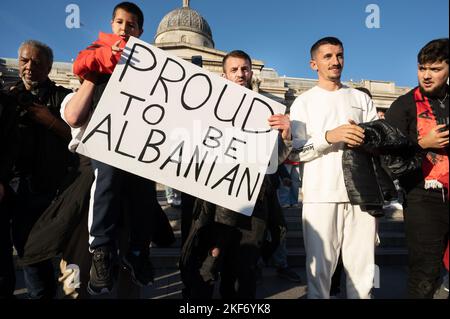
313 64
223 75
142 31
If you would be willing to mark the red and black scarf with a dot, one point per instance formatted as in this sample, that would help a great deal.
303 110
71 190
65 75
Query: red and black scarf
435 163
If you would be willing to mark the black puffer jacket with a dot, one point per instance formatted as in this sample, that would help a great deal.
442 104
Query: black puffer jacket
366 177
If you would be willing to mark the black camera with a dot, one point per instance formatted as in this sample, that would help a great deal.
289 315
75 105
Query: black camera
25 99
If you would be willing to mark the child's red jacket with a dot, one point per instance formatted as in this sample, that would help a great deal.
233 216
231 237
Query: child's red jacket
98 57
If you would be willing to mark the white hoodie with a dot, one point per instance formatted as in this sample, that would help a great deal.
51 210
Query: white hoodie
312 114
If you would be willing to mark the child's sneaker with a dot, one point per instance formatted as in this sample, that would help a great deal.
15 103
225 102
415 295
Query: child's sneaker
102 278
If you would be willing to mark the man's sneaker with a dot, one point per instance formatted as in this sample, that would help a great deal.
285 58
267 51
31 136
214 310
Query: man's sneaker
289 274
140 267
102 278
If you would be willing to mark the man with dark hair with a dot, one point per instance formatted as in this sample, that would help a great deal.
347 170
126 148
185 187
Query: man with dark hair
324 123
221 240
423 116
43 160
324 41
238 54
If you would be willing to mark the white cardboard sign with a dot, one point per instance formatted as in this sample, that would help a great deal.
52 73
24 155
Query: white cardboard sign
173 122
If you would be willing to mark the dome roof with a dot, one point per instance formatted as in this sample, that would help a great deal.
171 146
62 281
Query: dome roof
185 19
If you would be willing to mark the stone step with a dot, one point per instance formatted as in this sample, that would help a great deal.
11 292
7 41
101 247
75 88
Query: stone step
295 214
290 214
294 239
169 257
383 256
389 239
295 223
390 214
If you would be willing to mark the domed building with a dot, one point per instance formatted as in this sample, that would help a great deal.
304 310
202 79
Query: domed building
186 26
185 33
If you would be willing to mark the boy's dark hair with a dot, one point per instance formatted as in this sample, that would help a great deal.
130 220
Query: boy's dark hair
131 8
236 54
326 40
434 51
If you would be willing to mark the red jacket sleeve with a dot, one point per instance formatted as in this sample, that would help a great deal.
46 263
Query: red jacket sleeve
98 56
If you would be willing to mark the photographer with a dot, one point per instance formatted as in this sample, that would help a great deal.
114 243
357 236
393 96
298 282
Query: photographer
8 148
43 160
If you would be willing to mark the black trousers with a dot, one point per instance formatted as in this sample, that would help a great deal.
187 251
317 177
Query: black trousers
240 252
7 271
238 275
187 207
28 208
426 221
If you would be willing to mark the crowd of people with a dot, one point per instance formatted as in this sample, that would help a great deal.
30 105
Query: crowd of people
101 220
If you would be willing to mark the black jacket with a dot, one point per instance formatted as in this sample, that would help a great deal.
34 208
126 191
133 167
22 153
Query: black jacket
403 115
214 226
366 178
44 159
43 162
8 137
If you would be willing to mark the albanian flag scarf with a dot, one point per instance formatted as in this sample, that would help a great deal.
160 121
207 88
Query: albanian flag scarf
435 163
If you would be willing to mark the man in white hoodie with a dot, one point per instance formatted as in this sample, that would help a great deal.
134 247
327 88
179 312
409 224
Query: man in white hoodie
324 122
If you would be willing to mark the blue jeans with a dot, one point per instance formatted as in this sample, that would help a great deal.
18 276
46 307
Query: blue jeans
279 257
40 280
289 195
7 270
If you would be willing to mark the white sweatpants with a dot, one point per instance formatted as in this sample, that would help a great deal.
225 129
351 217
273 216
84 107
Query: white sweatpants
329 228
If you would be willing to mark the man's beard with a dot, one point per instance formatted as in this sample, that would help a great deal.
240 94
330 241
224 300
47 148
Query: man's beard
435 92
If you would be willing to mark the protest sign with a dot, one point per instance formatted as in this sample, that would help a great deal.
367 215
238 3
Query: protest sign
170 121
